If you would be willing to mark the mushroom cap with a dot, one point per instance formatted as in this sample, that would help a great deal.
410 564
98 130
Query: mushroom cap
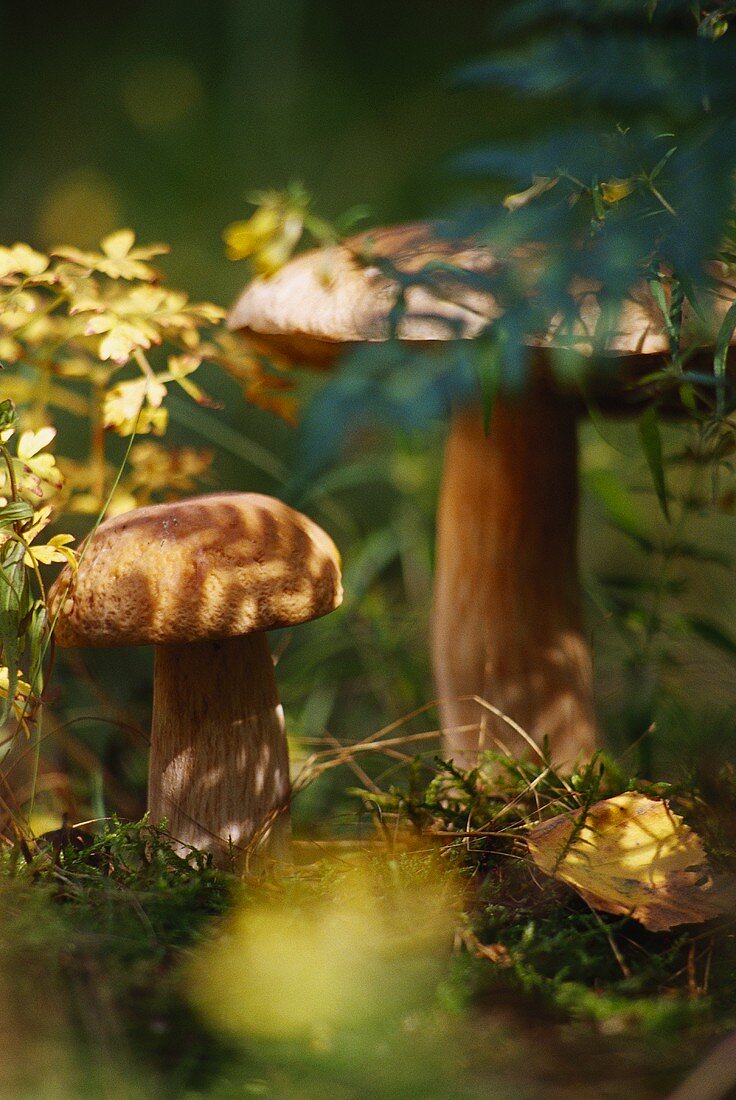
345 294
213 566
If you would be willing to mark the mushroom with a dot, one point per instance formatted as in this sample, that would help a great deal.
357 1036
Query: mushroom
507 623
202 580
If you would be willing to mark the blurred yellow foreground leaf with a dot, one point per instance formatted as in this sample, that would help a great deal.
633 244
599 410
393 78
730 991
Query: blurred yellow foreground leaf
632 855
366 947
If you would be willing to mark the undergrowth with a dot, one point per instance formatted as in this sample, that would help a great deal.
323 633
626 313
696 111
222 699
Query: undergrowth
537 934
101 930
106 919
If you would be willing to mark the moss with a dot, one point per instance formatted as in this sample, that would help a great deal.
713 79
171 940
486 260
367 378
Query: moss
100 936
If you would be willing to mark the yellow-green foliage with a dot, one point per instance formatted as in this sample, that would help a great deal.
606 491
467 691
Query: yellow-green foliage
77 330
99 337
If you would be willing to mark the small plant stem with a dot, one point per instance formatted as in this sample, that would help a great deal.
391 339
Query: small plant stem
43 390
37 739
143 363
8 459
97 442
643 667
623 965
40 311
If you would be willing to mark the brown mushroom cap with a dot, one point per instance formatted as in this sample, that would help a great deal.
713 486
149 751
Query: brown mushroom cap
344 294
210 567
340 294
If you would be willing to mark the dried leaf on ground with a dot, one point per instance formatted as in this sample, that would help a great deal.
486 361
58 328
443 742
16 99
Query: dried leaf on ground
633 855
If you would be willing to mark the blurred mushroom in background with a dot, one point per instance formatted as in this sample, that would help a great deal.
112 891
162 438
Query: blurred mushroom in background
507 622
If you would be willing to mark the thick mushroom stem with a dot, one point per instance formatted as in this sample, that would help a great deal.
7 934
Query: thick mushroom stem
219 766
507 622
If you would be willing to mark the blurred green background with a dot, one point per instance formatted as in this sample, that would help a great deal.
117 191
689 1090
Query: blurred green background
163 117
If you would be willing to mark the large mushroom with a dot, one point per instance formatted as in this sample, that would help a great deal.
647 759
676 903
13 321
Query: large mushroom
202 580
507 623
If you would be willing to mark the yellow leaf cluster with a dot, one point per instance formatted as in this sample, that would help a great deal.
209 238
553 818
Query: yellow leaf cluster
135 406
100 320
98 335
34 470
31 475
118 257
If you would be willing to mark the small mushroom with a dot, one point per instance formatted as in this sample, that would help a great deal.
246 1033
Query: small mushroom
202 580
507 622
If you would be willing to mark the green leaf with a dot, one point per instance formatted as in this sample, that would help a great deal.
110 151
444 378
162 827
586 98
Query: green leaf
488 360
13 606
598 207
619 506
7 414
694 552
378 551
711 633
15 511
626 582
692 296
651 441
659 296
35 635
723 342
351 219
671 313
372 469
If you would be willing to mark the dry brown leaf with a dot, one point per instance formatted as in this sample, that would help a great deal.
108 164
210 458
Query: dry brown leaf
633 855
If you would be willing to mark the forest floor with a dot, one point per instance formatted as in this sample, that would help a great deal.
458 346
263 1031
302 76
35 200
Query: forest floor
415 963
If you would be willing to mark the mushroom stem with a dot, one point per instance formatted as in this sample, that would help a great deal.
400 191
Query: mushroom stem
507 622
219 766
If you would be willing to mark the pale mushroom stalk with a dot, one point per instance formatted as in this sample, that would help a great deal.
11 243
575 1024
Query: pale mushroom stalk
507 620
219 765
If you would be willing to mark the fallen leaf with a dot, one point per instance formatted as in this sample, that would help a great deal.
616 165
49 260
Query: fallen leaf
634 856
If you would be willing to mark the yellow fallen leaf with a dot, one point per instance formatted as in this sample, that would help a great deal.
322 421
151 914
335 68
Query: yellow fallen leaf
632 855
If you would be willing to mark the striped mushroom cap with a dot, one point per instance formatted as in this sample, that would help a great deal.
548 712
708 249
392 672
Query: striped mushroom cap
345 294
210 567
